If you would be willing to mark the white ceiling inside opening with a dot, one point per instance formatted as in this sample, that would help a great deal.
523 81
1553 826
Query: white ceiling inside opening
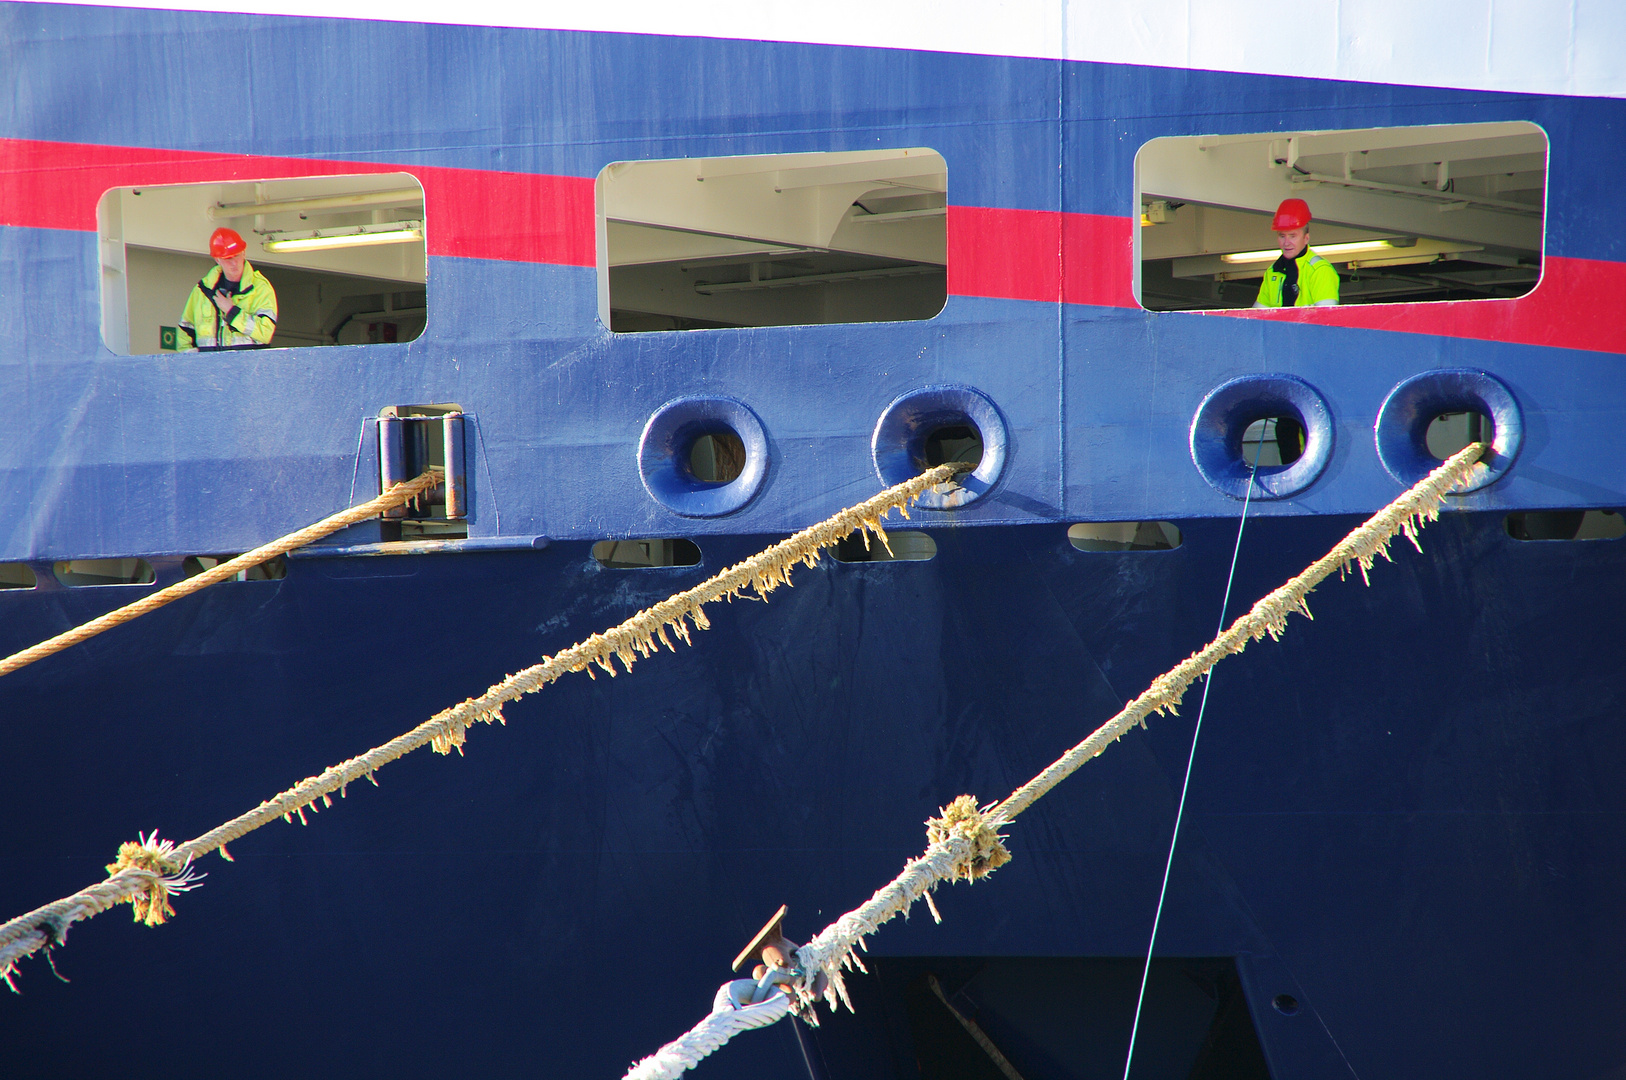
180 218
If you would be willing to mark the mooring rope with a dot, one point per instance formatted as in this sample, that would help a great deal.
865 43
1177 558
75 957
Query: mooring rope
397 495
147 872
965 844
727 1019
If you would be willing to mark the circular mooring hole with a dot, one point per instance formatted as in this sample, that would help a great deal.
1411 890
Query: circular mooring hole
1451 432
940 425
717 458
953 443
1432 415
1262 437
703 456
1272 442
1286 1004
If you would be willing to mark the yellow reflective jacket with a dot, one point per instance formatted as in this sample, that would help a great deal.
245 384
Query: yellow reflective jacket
1318 283
251 322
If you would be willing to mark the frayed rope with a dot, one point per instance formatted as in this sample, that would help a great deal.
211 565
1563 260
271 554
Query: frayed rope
166 872
965 843
148 872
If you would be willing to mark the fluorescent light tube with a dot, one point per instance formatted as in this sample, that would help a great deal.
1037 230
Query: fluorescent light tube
1320 249
343 240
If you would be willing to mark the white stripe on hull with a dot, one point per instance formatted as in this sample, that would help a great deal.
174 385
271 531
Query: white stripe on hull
1530 46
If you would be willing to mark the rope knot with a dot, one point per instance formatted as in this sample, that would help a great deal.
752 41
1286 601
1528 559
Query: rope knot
167 873
963 818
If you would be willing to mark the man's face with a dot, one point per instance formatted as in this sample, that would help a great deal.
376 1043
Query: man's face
231 267
1293 241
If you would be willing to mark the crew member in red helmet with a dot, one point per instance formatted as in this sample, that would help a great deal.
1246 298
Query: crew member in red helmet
1300 277
233 306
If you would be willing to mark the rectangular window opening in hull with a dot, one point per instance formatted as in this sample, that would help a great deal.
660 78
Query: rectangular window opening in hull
271 570
319 260
1124 536
772 240
17 576
903 545
1566 525
1394 215
646 554
82 572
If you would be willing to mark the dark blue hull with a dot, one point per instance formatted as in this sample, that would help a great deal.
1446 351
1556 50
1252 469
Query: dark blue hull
1401 815
1403 851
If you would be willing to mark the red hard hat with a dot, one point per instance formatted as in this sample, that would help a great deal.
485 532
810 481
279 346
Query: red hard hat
225 242
1292 214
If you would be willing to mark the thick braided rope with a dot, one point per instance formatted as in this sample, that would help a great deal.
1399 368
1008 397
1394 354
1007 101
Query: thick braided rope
965 843
723 1023
401 493
637 636
1362 547
919 875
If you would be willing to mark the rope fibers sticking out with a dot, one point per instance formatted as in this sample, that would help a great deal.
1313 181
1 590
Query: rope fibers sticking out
959 841
149 888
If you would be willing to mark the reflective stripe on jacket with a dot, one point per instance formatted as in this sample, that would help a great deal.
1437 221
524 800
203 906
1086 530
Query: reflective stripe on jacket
253 323
1318 283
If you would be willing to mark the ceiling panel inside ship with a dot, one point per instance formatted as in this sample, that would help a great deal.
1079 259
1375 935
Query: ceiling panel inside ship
180 218
1445 212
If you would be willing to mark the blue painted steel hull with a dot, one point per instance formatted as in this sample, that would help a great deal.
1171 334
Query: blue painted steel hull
1402 814
1405 815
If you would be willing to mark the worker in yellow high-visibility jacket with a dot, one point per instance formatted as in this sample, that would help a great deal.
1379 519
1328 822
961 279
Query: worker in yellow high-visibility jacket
233 306
1300 277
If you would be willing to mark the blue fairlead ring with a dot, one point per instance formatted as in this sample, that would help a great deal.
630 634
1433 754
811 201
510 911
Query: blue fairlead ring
1226 413
1402 427
668 439
899 443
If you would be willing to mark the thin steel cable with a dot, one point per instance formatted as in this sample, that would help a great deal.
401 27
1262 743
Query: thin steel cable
1196 732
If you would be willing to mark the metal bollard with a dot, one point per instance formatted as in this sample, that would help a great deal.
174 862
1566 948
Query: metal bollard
392 460
457 492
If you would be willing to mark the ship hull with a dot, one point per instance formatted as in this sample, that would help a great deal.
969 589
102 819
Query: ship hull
1397 814
1401 850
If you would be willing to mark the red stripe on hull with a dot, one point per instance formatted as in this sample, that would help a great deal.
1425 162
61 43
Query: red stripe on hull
1008 254
1040 255
517 217
1100 259
999 253
1089 259
1564 311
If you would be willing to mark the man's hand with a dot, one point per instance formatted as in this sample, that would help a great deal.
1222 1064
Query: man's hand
223 301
